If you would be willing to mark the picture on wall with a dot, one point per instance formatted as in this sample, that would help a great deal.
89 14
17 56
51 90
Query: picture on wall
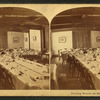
62 39
15 39
98 39
34 38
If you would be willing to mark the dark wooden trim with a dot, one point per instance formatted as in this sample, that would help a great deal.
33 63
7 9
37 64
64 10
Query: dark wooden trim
29 38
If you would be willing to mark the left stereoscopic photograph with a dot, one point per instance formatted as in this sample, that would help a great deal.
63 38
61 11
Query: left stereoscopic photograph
24 49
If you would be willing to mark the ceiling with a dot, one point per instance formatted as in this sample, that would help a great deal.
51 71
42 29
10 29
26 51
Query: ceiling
16 18
78 17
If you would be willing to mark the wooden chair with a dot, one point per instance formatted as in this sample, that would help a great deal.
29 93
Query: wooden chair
64 57
59 53
71 66
10 84
88 81
74 66
81 73
7 80
85 78
1 78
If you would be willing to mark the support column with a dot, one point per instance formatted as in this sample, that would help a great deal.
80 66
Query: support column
29 39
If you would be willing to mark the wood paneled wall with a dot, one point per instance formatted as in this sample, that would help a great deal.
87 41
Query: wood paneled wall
46 37
81 38
3 38
44 34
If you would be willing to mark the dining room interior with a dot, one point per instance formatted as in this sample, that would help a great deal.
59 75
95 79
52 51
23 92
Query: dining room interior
75 48
24 47
37 53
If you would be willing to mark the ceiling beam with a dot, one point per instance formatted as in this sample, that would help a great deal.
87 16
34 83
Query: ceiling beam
69 15
76 19
76 25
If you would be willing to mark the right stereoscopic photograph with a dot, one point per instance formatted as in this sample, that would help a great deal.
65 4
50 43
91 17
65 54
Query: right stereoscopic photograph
75 49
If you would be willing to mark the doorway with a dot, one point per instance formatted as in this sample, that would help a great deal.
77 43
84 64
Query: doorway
35 39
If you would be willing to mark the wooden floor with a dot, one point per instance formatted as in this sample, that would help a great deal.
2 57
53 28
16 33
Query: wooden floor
67 80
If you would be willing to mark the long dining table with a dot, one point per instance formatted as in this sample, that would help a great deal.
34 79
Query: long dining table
26 74
93 68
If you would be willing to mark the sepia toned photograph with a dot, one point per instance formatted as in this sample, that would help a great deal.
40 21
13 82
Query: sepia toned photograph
49 50
24 60
76 61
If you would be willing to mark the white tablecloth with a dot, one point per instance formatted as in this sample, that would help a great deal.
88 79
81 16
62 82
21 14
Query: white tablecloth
31 70
93 71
